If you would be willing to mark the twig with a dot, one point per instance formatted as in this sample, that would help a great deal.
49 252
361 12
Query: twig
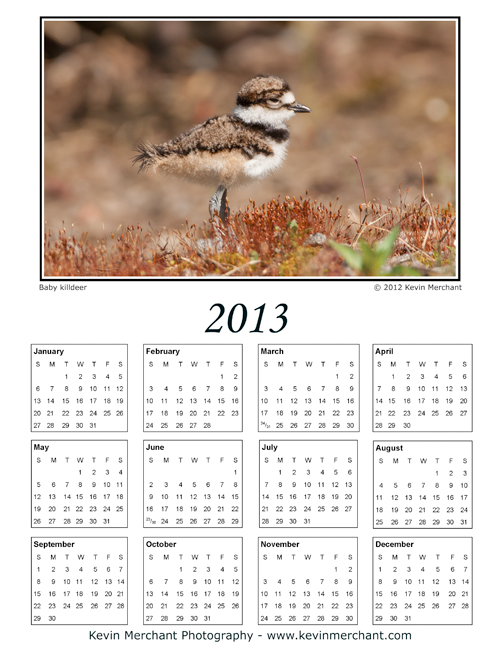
432 218
240 267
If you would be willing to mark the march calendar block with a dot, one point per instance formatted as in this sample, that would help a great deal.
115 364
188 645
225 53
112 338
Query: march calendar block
193 483
307 580
193 581
308 484
79 581
193 387
422 387
422 484
79 387
308 387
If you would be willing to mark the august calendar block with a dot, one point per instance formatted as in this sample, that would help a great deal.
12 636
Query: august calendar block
193 387
309 387
422 387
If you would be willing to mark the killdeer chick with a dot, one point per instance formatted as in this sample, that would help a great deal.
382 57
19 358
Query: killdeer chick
232 149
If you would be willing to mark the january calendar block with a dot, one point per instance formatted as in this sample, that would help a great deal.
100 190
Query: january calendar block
422 484
308 387
308 581
422 581
79 581
422 387
193 387
193 581
193 483
79 483
308 484
79 387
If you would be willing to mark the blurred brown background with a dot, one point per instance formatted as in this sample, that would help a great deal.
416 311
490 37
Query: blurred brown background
383 91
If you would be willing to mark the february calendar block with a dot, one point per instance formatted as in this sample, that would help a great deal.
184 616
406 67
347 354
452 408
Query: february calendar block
193 483
308 484
79 387
79 581
426 581
193 387
422 484
193 581
422 387
309 387
307 580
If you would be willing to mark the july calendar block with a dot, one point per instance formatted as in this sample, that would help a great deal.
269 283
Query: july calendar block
308 484
193 387
79 483
79 581
426 581
79 387
422 387
422 484
193 483
308 387
307 580
193 581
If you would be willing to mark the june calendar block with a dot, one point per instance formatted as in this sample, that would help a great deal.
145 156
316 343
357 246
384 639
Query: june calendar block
79 483
193 581
422 581
422 484
422 387
309 387
308 483
308 581
193 483
79 387
193 387
79 581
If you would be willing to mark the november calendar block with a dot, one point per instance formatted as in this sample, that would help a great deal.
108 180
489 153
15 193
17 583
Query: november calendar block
79 387
308 484
193 581
422 387
193 387
422 581
307 580
308 387
422 484
79 581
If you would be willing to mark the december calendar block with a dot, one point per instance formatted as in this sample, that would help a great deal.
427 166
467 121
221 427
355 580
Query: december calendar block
193 387
308 387
79 581
422 387
79 387
422 581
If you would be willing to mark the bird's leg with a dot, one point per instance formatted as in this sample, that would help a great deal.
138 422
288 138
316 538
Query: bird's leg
218 203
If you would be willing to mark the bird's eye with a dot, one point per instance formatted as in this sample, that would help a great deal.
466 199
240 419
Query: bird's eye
273 100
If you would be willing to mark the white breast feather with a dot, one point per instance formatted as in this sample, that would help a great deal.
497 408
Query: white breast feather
261 165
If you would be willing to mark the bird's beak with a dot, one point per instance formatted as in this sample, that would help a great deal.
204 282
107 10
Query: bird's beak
298 107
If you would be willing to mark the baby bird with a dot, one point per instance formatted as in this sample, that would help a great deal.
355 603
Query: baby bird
231 149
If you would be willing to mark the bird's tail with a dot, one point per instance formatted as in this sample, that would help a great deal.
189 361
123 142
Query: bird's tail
149 155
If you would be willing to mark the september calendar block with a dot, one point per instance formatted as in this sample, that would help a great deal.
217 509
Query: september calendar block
307 580
308 484
422 484
422 387
79 581
309 387
193 581
193 387
79 387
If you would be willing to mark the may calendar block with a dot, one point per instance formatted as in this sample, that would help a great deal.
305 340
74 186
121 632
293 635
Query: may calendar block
308 581
422 581
193 387
193 483
193 581
79 387
422 387
422 484
308 387
308 484
79 581
79 483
